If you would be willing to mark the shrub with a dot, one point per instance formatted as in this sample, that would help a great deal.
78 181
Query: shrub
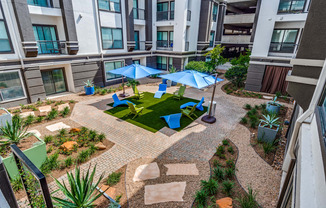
200 66
263 106
227 187
84 130
222 156
92 149
237 75
216 163
113 178
201 198
29 120
220 149
16 184
230 163
218 173
225 142
82 156
62 132
59 103
210 186
278 94
101 137
72 101
244 120
248 200
50 164
49 150
260 96
229 172
247 106
65 112
92 135
254 111
268 148
230 150
52 114
68 162
39 119
257 107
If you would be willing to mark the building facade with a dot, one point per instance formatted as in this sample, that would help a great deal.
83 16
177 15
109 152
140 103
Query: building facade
53 46
278 32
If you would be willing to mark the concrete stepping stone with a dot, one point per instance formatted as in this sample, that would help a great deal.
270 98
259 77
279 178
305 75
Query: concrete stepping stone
110 191
166 192
35 132
44 110
182 169
57 126
146 172
62 106
25 114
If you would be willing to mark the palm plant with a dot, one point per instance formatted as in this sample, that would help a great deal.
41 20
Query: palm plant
13 133
270 120
81 192
88 83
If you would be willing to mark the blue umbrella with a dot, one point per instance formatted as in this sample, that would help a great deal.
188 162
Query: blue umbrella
192 78
134 71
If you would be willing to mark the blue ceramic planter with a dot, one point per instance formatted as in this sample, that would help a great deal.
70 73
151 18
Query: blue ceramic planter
267 134
89 90
273 109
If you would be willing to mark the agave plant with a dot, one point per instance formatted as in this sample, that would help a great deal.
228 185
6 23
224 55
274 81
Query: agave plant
270 120
13 133
275 102
88 83
80 193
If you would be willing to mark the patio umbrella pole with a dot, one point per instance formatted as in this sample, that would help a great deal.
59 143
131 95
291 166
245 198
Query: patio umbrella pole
123 86
208 118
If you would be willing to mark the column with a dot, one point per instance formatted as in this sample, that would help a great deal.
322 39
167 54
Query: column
204 24
149 25
130 25
220 23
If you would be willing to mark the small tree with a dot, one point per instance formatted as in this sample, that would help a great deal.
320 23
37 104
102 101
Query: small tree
216 58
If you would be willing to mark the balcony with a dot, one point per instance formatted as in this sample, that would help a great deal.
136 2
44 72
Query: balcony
188 15
165 15
139 46
51 47
49 8
236 39
164 45
239 19
283 47
139 13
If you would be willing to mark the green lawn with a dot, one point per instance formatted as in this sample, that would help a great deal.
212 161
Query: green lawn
153 109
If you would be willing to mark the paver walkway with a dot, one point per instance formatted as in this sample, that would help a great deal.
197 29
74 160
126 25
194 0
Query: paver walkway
196 142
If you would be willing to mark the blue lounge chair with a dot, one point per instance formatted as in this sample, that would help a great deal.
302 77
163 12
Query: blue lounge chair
118 102
199 106
161 91
173 120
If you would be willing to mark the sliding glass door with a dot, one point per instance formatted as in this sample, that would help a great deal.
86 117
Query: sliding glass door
47 40
54 81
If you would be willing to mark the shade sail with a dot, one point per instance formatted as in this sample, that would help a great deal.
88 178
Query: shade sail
192 78
135 71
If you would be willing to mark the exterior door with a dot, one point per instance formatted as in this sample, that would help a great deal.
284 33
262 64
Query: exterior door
136 34
54 81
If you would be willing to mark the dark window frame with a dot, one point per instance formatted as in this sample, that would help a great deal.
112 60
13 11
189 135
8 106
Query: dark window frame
295 42
112 40
8 33
290 11
105 10
166 65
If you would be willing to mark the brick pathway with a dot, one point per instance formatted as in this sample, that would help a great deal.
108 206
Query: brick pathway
196 142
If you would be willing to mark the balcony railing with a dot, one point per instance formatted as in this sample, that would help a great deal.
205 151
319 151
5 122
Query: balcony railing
140 45
165 15
187 46
139 13
51 47
188 15
282 47
164 44
44 3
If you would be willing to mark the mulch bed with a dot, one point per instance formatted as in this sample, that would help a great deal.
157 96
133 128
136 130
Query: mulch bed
24 144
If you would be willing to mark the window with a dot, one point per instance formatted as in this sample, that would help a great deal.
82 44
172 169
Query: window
109 5
291 6
170 62
108 66
164 12
172 10
161 62
135 9
43 3
215 7
46 37
211 39
5 44
284 40
111 38
10 86
165 39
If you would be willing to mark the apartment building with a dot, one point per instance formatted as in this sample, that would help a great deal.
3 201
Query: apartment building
239 26
48 47
277 36
304 168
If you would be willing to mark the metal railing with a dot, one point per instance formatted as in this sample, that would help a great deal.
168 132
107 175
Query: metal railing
188 15
139 45
164 15
51 47
282 47
139 13
164 44
187 46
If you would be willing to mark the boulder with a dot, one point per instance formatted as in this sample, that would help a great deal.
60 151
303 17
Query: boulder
75 130
224 202
100 146
62 106
44 110
68 146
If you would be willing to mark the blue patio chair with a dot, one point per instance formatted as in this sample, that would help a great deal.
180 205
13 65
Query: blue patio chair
161 91
173 120
199 106
118 102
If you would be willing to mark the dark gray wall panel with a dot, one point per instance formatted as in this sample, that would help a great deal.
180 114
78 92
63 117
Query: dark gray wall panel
255 77
34 84
177 63
87 71
14 103
307 71
151 61
302 93
149 26
130 24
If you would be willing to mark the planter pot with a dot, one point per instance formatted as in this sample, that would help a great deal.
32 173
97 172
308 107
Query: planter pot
174 83
273 108
37 154
168 83
266 134
89 90
6 117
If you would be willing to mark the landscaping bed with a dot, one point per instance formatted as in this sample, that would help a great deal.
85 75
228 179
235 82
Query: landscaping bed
264 149
223 182
153 109
24 144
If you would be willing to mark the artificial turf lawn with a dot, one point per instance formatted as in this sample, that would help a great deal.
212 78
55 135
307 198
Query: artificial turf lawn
153 109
